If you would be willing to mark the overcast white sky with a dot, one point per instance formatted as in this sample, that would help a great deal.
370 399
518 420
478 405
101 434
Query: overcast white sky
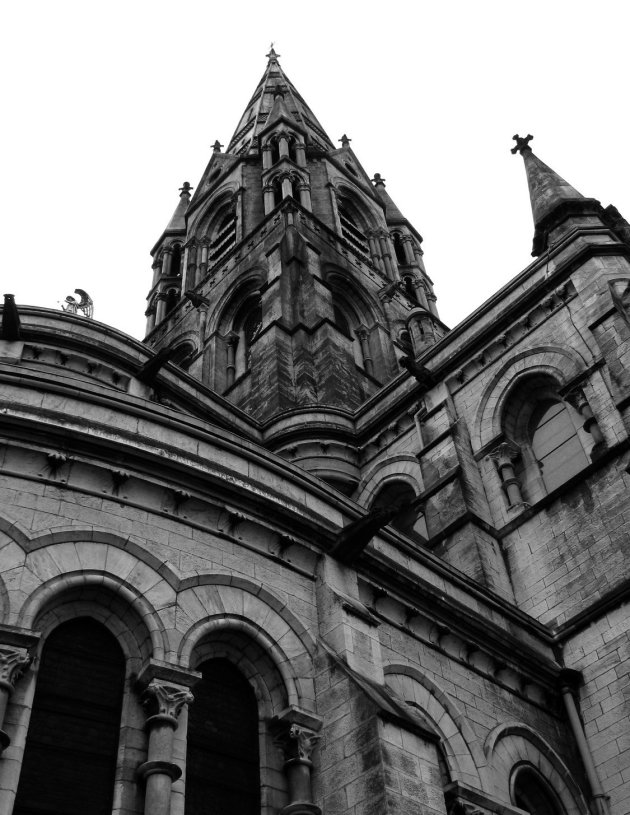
109 107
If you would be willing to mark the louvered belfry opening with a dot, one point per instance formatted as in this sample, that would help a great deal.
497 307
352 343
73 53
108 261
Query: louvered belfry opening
222 759
72 741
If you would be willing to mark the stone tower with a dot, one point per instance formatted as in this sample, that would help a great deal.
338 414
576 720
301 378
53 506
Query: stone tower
289 282
304 551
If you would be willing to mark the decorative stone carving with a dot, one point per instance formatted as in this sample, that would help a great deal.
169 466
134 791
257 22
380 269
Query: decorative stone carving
503 455
165 700
13 664
296 742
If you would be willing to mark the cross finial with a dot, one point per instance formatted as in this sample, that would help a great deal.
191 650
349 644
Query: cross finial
345 141
216 147
185 189
272 56
378 179
522 144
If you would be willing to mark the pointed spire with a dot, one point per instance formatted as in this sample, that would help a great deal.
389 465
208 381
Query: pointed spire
548 192
178 220
267 103
546 188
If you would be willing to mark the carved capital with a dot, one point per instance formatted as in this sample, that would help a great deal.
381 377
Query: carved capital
577 399
296 742
13 664
164 700
504 453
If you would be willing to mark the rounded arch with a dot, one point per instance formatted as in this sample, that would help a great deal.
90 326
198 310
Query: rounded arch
212 604
252 651
514 743
106 598
465 759
401 467
248 286
560 364
368 309
354 207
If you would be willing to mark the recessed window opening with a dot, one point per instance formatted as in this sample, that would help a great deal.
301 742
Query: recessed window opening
351 230
224 237
401 495
399 249
555 443
275 152
72 741
222 755
532 794
176 260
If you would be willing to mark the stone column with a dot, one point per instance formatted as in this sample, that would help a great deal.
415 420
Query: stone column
160 308
287 189
191 268
578 400
375 252
14 661
203 265
166 261
305 195
266 156
157 267
296 736
300 154
362 334
230 367
387 255
503 455
408 247
268 198
283 145
163 703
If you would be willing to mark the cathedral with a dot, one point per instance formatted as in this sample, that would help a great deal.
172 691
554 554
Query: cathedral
306 550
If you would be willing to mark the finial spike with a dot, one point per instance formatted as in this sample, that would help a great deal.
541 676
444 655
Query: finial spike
185 189
378 180
216 147
522 144
345 141
272 56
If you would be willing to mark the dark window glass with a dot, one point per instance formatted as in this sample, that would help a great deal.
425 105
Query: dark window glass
70 756
555 444
222 760
533 795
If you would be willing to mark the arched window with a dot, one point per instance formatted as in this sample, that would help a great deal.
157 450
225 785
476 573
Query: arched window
277 191
223 236
553 434
351 228
222 755
399 249
401 495
172 297
531 793
548 432
176 260
275 152
70 755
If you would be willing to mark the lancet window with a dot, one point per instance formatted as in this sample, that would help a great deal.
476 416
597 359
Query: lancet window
223 237
352 228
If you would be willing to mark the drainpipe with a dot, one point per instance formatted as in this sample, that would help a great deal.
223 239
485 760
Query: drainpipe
569 679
